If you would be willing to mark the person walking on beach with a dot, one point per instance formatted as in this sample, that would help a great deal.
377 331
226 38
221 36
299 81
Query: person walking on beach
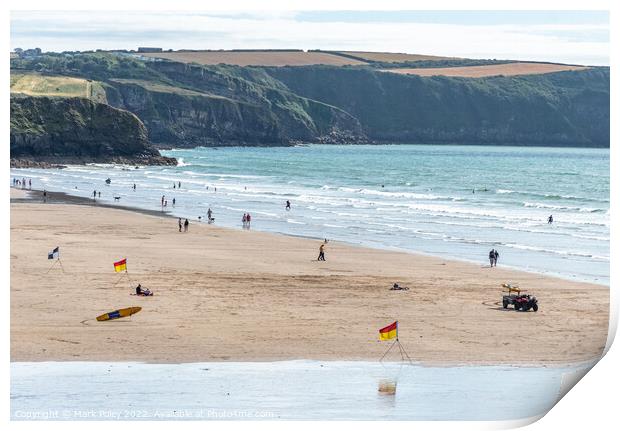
495 257
162 200
492 257
322 251
186 224
550 219
244 220
209 213
288 205
29 184
248 220
180 224
94 194
44 196
98 194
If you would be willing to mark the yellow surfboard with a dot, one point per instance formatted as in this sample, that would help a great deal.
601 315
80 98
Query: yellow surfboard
117 314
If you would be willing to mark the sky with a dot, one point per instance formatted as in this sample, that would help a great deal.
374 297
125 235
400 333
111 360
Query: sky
574 37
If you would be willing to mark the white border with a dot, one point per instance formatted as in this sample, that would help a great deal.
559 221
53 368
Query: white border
590 405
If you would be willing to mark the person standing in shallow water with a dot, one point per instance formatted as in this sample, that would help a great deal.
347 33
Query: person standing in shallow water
495 257
550 219
288 205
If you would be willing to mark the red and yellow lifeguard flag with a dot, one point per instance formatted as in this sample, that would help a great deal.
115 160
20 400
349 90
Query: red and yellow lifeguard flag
389 332
120 266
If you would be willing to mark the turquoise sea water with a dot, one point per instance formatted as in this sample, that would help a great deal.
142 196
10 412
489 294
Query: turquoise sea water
450 201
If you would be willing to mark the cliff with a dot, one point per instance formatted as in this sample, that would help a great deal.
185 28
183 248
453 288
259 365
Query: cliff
188 105
47 130
563 109
195 106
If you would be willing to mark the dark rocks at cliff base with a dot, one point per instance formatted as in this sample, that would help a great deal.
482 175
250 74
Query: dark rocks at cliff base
48 131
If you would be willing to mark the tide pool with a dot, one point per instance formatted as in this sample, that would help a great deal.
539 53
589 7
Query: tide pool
301 389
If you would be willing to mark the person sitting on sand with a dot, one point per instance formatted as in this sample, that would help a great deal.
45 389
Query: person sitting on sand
397 287
142 292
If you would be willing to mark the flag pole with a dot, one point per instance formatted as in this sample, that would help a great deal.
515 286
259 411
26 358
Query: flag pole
388 350
52 265
61 267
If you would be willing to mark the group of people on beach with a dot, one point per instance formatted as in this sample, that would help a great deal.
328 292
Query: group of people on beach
183 225
246 220
22 183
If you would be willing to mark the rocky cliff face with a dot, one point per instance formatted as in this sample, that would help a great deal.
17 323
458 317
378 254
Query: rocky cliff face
188 105
228 107
565 108
74 130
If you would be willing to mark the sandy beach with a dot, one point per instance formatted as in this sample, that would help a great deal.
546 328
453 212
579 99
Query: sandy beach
234 295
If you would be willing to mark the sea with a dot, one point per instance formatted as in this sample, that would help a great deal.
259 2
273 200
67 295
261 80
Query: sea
454 202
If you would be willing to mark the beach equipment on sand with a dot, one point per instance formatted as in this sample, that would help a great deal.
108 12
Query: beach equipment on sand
55 256
390 332
510 288
519 301
117 314
121 266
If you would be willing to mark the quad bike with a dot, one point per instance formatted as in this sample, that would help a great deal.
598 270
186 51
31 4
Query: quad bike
518 300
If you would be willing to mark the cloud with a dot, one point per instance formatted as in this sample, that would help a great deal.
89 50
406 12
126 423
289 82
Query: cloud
566 40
